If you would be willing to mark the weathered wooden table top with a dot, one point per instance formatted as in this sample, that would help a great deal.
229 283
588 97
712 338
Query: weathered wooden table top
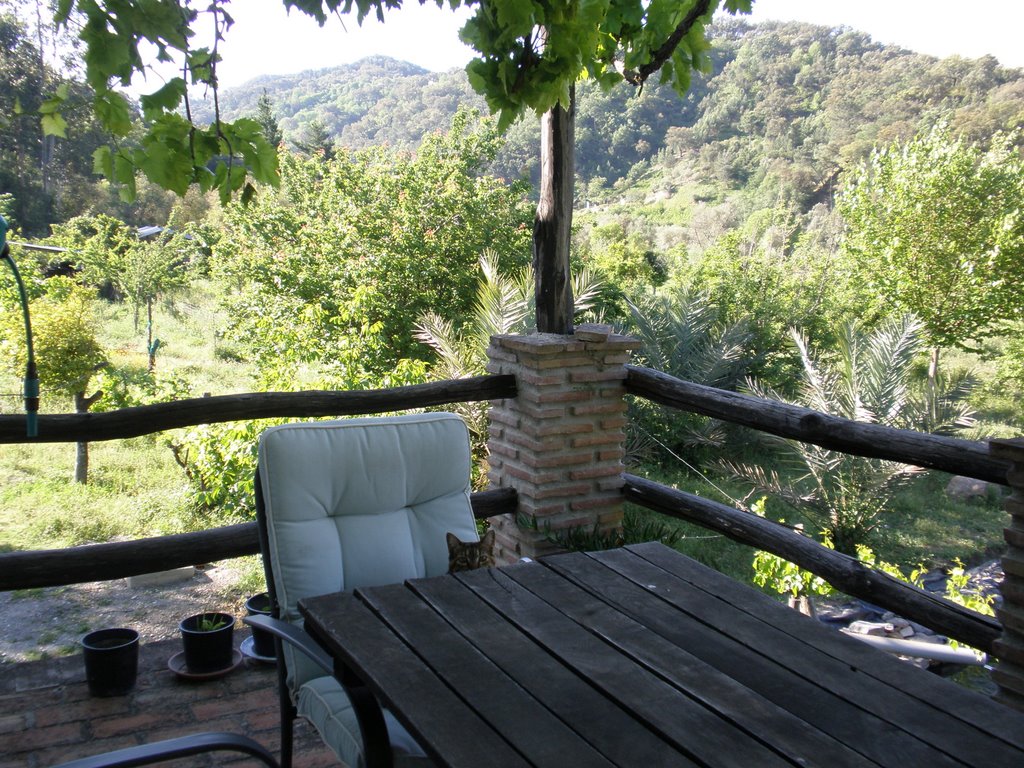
643 657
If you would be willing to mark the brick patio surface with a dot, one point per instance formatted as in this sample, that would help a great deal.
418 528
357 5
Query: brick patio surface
47 715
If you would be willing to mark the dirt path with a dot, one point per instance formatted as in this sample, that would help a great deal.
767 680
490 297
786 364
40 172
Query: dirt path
48 622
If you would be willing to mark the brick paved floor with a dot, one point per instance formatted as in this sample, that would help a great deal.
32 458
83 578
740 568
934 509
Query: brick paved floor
47 715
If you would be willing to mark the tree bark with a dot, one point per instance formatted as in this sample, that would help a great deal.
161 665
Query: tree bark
947 454
149 419
553 224
933 370
149 335
82 405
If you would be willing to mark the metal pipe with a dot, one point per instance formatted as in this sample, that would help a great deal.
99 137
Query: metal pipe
922 650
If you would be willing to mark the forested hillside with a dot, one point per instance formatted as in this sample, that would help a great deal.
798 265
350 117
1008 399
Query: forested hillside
785 107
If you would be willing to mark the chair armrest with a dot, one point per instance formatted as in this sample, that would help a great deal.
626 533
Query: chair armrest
294 636
171 749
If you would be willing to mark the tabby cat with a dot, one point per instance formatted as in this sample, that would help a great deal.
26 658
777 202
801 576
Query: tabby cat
467 555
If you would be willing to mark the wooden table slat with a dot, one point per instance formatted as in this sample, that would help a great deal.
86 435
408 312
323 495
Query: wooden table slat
791 736
442 723
822 706
643 658
621 738
980 711
539 735
917 718
678 718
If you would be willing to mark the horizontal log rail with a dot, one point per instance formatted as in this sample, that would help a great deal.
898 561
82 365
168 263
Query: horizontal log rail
147 419
841 571
949 454
120 559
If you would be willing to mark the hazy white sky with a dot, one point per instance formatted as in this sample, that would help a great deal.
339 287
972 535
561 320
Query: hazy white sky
265 40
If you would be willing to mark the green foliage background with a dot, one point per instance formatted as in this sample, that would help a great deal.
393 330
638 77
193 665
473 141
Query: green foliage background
708 219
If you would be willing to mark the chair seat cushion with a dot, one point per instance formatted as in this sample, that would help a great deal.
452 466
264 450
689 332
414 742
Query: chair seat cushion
325 704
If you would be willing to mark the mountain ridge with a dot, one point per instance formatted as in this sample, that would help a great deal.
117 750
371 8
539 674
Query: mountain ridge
805 99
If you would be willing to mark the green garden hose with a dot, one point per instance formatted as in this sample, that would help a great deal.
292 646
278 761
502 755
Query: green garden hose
31 376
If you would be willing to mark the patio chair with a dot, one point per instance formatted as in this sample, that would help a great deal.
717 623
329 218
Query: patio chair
173 749
346 504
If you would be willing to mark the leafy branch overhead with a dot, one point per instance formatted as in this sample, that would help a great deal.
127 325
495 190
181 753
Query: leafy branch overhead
530 52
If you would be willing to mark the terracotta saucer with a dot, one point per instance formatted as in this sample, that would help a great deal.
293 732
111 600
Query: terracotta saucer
177 665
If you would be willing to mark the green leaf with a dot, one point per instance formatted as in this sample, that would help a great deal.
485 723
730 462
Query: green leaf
103 162
124 175
54 125
112 110
167 166
166 99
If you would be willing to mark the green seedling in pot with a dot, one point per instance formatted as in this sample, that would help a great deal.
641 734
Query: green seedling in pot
210 622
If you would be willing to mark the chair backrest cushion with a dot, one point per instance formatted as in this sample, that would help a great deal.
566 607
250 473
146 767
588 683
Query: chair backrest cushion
362 502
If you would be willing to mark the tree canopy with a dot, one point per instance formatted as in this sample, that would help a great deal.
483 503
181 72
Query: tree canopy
530 52
938 227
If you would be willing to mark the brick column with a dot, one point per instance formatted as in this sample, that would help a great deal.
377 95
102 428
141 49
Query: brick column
1009 648
560 442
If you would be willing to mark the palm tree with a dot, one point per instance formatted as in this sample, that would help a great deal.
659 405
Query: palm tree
504 305
871 380
681 336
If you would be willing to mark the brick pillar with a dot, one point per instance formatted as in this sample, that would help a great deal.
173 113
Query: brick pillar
560 442
1009 649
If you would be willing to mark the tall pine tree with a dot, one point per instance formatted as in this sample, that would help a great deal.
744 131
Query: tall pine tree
268 120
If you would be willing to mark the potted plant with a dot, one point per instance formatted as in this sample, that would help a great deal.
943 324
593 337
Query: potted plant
208 641
111 660
262 641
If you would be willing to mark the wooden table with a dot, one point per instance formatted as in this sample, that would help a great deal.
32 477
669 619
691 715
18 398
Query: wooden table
641 657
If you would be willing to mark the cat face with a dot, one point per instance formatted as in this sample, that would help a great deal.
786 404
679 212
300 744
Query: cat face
465 556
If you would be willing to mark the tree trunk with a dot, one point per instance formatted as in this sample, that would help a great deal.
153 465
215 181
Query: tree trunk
553 224
933 387
82 405
150 349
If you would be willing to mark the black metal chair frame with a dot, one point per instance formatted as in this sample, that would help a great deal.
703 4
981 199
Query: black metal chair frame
173 749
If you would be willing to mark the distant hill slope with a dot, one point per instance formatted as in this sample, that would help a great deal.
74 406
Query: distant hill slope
374 101
786 106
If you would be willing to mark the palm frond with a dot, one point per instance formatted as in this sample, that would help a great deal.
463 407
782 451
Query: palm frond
439 334
817 388
586 287
501 304
890 354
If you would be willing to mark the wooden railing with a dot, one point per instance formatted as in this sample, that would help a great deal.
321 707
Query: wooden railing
963 457
21 570
98 562
147 419
117 560
949 454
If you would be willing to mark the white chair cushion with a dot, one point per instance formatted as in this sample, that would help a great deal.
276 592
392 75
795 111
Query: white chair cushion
354 503
362 502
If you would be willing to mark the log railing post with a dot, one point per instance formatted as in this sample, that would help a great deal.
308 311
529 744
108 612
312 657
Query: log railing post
1009 648
560 441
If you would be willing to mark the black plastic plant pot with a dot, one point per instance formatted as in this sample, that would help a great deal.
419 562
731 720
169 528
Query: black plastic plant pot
111 661
208 641
262 641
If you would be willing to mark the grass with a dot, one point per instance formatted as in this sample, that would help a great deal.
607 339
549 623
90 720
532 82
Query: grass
705 546
926 527
135 488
